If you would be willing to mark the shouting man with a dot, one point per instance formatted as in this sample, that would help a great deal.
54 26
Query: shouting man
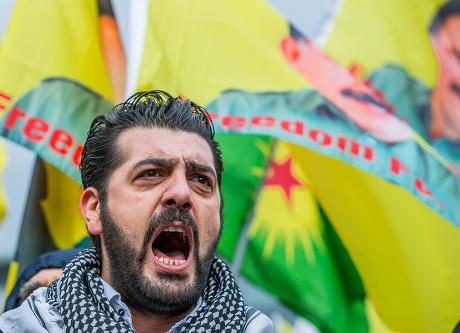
152 203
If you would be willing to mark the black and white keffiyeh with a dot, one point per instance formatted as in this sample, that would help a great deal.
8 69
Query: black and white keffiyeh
79 297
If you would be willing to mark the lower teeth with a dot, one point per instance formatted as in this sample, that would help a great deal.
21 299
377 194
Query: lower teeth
172 262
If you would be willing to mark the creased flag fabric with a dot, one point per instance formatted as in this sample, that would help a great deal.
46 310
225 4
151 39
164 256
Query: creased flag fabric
53 82
367 200
349 231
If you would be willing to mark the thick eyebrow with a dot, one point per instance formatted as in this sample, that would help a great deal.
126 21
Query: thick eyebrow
196 166
153 161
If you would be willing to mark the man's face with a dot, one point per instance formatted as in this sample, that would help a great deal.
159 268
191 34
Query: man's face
447 47
161 222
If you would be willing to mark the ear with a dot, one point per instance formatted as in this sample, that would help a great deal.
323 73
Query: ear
292 52
90 209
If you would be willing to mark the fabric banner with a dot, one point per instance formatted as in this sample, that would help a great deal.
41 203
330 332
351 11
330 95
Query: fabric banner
307 119
357 177
339 127
55 77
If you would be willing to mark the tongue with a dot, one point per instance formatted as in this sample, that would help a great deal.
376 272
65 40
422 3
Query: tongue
176 254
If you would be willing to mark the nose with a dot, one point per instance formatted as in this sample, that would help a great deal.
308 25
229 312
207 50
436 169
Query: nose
177 193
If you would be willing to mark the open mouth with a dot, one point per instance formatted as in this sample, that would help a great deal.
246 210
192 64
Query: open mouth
172 245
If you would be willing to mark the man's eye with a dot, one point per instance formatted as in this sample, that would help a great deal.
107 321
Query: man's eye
149 174
204 180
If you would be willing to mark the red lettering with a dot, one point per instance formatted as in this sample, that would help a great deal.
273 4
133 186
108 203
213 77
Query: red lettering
213 115
36 129
420 186
264 121
396 166
295 127
233 122
61 141
355 147
77 155
320 137
5 96
13 116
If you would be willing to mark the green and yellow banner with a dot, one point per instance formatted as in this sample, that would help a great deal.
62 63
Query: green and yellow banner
54 79
339 126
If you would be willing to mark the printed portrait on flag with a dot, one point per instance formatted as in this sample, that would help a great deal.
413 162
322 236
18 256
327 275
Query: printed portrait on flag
386 122
339 127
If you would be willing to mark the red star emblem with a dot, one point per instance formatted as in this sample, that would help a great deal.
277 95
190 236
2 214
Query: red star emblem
280 174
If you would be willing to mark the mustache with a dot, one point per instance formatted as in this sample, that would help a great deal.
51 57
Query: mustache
455 88
168 215
363 97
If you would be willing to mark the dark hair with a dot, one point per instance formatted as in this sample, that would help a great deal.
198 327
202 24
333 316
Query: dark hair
449 9
296 34
148 109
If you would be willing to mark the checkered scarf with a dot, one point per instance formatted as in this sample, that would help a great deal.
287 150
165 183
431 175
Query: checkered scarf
79 297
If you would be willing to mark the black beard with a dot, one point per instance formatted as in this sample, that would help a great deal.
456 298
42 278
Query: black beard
167 296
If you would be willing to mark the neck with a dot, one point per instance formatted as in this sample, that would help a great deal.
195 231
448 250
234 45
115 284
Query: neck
146 322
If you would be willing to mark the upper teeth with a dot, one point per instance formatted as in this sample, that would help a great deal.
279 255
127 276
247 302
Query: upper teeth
177 229
174 229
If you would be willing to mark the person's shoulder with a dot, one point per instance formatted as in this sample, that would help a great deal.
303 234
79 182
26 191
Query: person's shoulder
34 315
256 321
